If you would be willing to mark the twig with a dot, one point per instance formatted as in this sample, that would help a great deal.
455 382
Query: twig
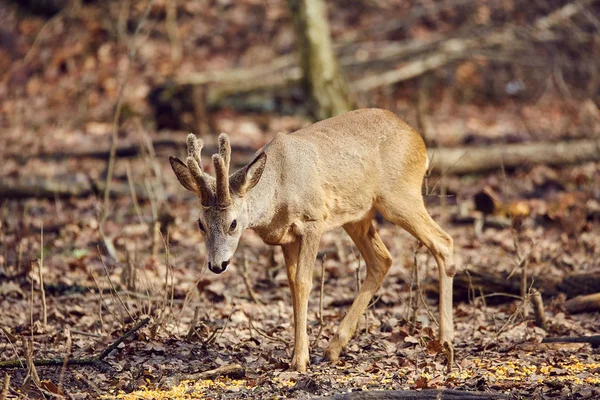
69 346
501 294
510 319
114 290
101 301
422 298
77 332
39 36
32 374
444 173
173 31
414 301
31 302
214 335
18 363
134 199
211 338
12 345
192 331
169 289
358 275
91 384
456 48
120 340
41 275
267 336
117 116
321 321
19 255
5 386
538 308
247 282
232 370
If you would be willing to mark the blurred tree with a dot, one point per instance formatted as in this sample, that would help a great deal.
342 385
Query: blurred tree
322 76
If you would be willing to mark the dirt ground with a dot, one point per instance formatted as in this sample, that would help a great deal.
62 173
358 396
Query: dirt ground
497 347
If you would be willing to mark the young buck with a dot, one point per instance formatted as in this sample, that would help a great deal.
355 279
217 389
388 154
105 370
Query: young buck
337 172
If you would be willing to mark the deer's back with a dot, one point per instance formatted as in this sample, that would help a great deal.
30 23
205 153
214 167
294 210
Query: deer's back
337 168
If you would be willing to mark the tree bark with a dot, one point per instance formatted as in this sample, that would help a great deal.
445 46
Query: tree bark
322 77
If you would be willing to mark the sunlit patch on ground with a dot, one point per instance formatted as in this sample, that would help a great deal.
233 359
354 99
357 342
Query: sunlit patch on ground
503 374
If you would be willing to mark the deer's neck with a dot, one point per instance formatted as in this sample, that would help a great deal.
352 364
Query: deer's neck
260 204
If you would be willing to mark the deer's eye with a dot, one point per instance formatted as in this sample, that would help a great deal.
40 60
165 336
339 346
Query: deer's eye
201 226
233 225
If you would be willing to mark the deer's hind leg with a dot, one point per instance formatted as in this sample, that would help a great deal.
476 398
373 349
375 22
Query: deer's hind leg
407 210
378 261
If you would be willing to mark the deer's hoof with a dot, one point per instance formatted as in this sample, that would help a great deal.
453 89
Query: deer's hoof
331 353
299 363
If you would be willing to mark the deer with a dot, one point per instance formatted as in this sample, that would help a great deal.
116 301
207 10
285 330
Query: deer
335 173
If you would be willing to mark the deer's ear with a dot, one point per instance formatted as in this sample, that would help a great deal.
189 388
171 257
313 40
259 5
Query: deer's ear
247 177
183 174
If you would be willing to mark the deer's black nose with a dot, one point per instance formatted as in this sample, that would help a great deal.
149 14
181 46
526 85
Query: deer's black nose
218 269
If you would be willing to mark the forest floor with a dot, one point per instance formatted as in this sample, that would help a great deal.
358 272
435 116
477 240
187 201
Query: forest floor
497 346
60 97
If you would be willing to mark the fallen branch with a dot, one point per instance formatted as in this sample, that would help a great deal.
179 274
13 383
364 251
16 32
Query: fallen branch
424 57
581 284
456 161
162 145
587 303
593 340
429 394
466 160
496 287
454 49
18 363
66 186
231 371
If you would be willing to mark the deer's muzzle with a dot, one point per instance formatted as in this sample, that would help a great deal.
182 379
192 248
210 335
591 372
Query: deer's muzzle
217 269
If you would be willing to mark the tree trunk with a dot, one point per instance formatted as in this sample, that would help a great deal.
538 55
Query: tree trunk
322 77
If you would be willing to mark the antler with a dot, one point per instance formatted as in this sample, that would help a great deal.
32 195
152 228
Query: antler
194 163
221 163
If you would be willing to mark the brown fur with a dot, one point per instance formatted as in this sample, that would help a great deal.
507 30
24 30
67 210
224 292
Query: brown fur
337 172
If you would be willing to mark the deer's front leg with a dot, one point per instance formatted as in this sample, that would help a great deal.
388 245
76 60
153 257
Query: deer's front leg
308 247
290 254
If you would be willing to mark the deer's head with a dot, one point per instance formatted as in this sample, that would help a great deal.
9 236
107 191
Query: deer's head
224 212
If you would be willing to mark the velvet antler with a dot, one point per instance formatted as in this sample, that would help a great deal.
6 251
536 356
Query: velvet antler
194 163
221 162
